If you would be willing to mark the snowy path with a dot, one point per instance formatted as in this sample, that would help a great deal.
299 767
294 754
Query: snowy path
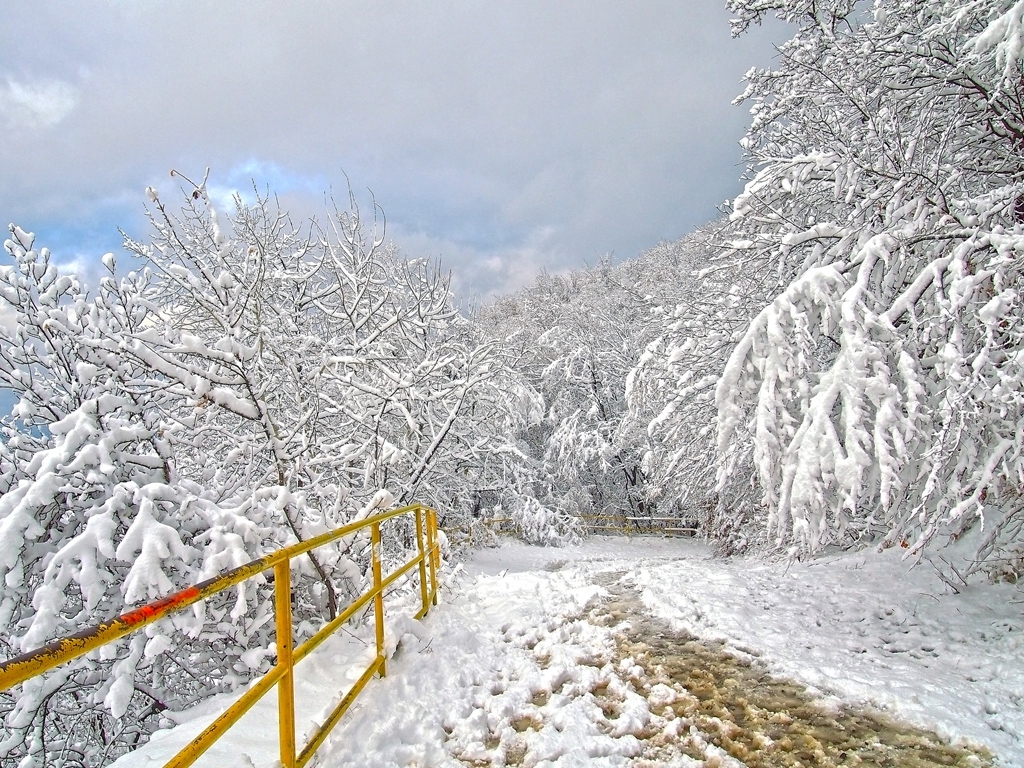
867 628
510 671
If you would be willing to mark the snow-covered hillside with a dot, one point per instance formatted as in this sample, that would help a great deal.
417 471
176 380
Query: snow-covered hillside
522 662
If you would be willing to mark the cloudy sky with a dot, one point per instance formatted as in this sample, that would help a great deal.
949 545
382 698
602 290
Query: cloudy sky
503 138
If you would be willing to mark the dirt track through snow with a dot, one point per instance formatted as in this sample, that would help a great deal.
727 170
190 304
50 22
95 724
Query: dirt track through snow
760 720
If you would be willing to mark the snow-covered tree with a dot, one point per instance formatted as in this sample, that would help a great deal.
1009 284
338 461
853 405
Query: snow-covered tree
249 385
879 393
318 361
708 299
577 338
87 510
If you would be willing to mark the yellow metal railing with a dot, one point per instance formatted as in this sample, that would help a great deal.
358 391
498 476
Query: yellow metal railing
41 660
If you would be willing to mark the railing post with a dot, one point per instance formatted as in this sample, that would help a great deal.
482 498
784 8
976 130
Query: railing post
424 595
432 544
286 686
378 599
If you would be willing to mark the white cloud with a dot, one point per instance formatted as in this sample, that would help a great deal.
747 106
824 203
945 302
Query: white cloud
542 134
481 274
40 104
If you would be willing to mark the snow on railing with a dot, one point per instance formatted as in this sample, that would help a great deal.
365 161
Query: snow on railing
41 660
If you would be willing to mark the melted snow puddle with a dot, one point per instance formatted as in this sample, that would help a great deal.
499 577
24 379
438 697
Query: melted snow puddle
719 700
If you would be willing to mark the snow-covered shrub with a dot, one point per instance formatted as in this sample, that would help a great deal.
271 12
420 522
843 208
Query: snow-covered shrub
539 523
88 509
1000 553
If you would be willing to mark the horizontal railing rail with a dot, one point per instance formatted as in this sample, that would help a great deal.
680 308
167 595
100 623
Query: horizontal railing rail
427 559
603 522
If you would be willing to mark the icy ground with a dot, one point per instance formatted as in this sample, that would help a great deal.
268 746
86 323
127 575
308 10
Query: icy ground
509 670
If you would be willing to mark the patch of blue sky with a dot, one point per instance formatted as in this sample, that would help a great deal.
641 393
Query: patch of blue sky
250 176
77 243
70 241
7 401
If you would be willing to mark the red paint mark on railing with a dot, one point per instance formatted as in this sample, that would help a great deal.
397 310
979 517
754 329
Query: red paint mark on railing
158 607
